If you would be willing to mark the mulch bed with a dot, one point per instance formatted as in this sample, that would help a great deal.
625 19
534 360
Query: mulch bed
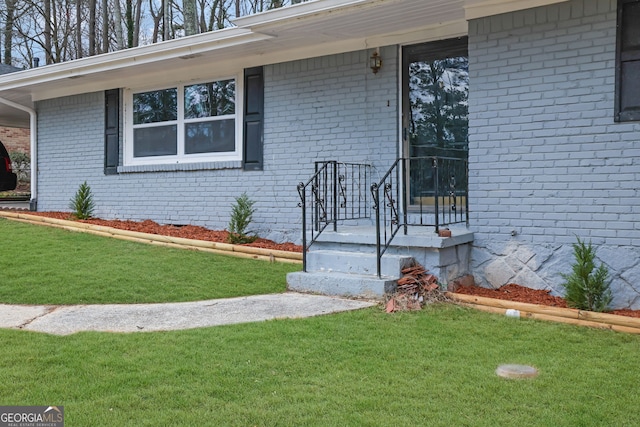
185 231
517 293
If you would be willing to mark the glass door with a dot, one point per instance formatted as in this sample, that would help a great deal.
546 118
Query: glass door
435 118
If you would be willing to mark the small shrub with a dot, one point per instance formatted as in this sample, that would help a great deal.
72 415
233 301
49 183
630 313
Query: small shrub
587 289
21 163
82 203
241 216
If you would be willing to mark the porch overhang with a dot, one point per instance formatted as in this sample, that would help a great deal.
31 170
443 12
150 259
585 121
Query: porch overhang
305 30
475 9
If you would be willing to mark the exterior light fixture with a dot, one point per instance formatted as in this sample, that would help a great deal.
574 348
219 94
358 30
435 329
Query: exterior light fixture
375 62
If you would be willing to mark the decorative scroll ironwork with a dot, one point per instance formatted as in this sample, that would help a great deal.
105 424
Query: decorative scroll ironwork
391 204
319 203
419 191
336 192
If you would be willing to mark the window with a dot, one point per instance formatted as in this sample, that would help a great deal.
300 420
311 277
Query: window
210 117
155 123
183 124
627 106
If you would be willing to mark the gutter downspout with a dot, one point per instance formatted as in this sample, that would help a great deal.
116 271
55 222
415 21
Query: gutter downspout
33 119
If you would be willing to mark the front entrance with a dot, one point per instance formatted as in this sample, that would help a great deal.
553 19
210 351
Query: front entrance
435 119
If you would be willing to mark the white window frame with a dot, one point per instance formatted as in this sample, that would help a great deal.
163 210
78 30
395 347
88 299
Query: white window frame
181 157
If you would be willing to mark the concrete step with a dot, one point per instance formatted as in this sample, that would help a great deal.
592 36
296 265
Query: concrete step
344 262
356 263
340 284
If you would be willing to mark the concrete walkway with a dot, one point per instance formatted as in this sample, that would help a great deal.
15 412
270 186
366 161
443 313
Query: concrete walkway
65 320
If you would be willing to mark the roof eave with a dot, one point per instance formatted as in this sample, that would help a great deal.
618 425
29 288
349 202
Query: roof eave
300 11
186 47
475 9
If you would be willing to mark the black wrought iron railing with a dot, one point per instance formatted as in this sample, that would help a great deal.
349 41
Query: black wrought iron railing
336 192
419 191
416 191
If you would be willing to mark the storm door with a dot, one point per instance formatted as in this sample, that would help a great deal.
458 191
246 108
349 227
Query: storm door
435 120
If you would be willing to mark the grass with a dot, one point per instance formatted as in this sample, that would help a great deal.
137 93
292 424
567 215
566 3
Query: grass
364 368
42 265
435 367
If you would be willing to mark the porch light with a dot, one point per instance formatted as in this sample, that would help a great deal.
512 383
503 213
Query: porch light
375 62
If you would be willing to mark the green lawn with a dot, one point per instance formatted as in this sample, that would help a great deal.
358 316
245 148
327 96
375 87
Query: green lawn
364 368
435 367
43 265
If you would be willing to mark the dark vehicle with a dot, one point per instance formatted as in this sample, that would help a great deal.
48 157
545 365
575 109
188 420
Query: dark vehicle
8 179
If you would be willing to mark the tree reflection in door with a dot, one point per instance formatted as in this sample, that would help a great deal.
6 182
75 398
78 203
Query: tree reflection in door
439 94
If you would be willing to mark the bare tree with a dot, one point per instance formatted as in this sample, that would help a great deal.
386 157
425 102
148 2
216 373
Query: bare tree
166 18
129 21
219 15
214 15
79 4
92 27
117 24
136 24
157 16
7 31
190 17
68 29
106 21
47 32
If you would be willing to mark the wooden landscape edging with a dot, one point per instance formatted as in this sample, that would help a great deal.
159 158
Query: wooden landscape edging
157 239
555 314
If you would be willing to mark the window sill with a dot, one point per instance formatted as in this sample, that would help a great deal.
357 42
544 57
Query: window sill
179 167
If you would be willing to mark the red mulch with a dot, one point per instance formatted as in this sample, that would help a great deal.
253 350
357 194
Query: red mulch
513 292
185 231
627 312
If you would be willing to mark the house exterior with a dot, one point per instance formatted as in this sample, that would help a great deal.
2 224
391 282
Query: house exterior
13 138
550 123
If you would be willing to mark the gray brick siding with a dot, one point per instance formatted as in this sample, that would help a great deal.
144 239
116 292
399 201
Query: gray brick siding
324 108
547 161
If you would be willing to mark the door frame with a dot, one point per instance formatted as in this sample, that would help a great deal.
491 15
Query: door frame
424 51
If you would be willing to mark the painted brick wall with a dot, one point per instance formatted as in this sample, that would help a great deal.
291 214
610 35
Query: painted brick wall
319 109
15 139
547 161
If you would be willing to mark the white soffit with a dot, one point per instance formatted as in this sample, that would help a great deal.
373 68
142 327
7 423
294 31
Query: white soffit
305 30
302 10
354 25
475 9
358 19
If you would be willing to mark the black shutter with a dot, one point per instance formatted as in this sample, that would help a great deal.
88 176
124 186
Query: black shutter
111 131
253 118
627 107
